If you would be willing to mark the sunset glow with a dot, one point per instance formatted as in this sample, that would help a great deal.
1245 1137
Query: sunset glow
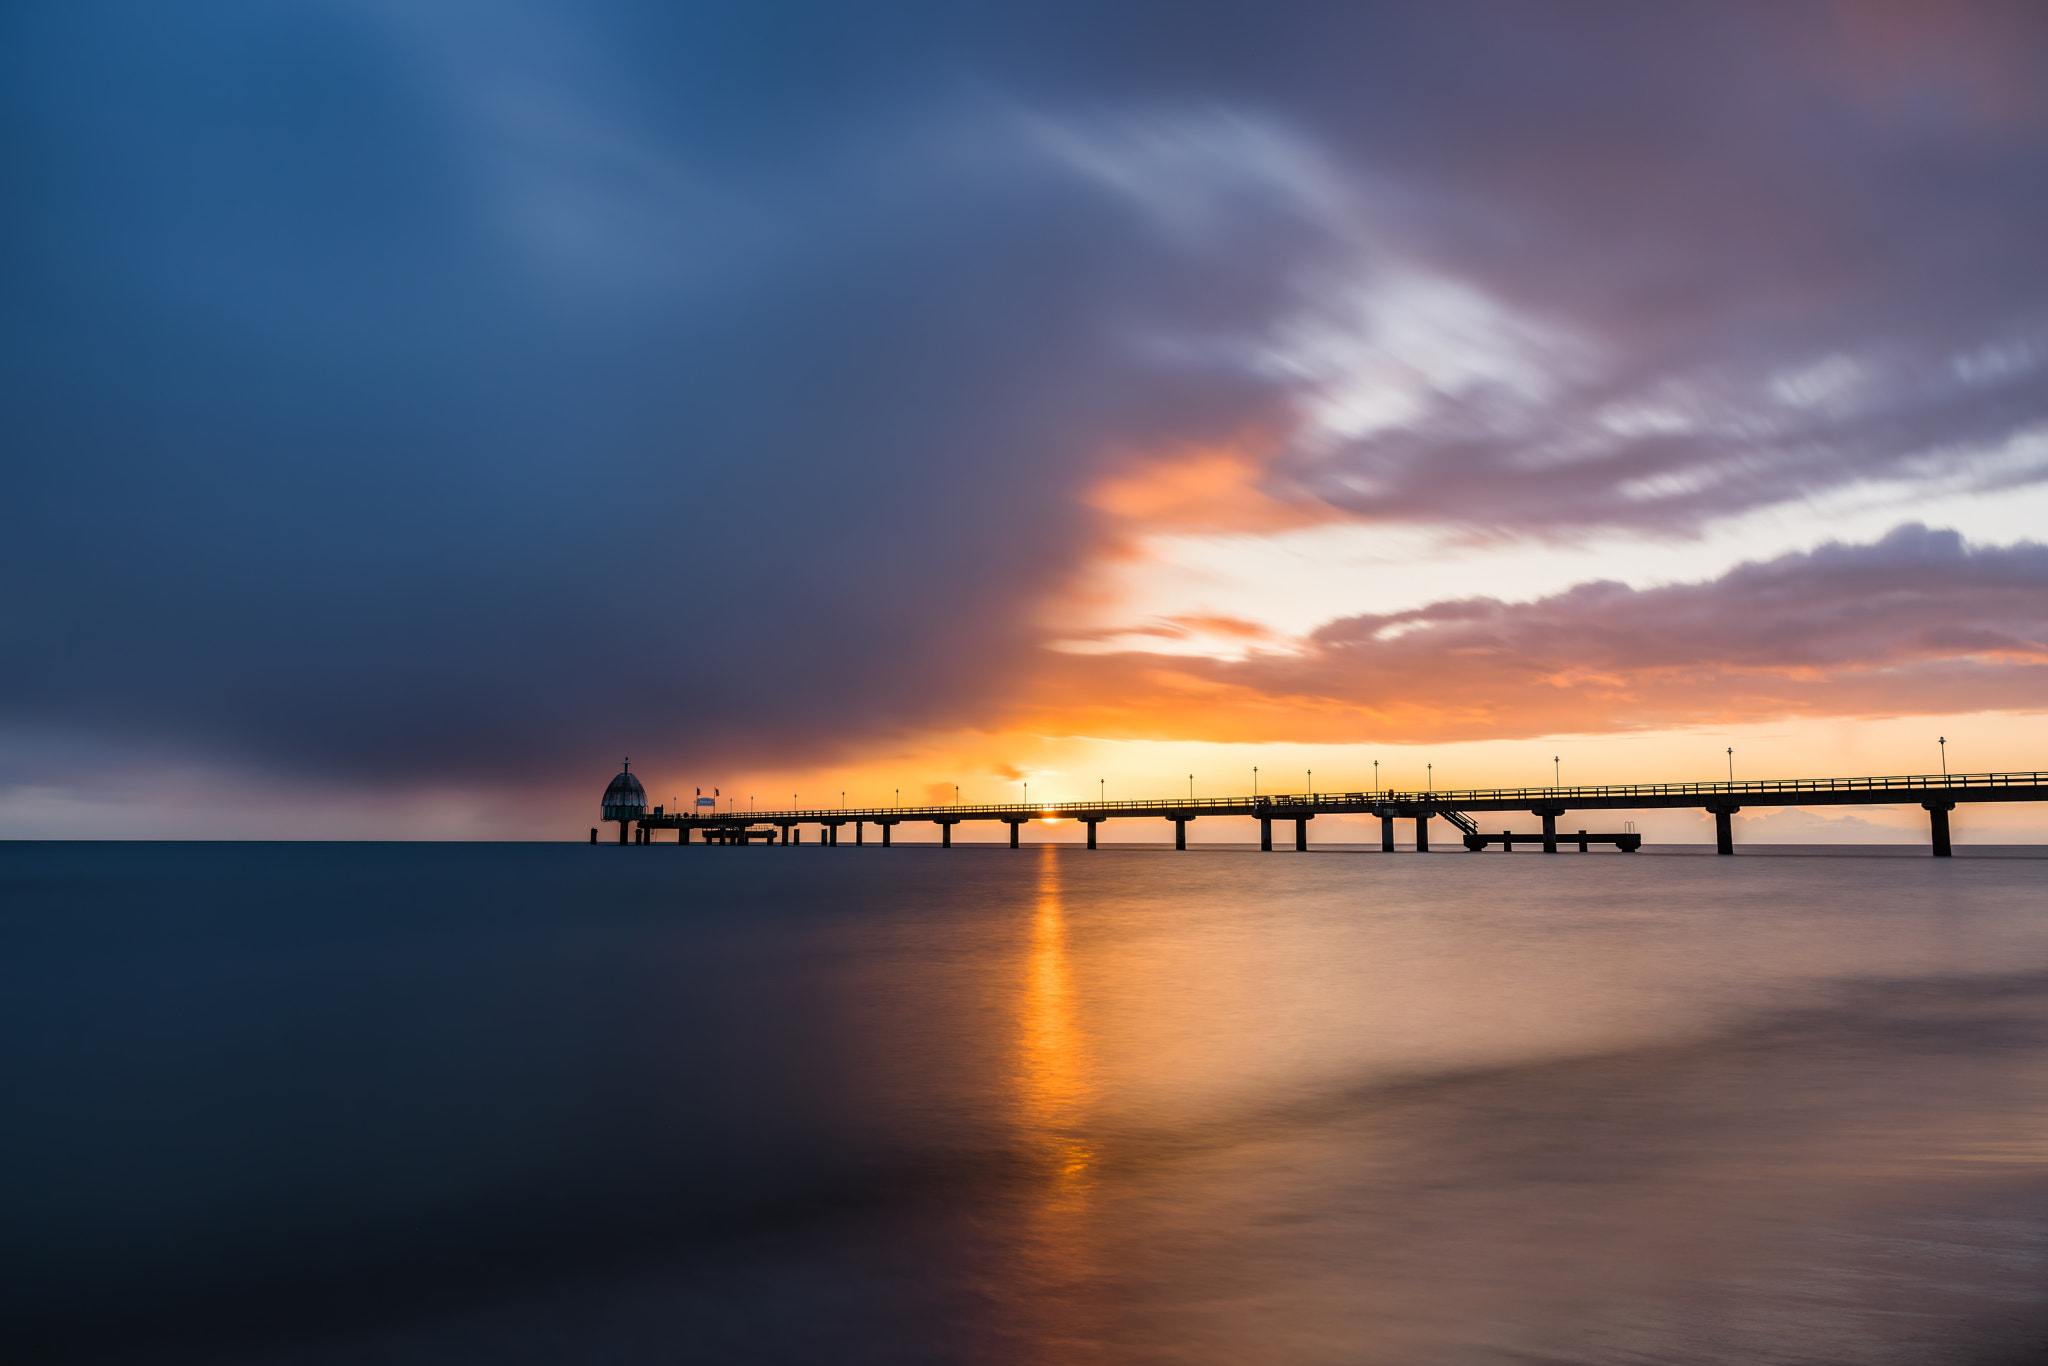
1170 428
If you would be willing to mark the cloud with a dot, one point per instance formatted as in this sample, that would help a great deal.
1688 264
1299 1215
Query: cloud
1917 622
328 464
449 395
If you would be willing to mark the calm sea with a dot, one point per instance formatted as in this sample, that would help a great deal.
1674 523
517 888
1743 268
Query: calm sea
356 1103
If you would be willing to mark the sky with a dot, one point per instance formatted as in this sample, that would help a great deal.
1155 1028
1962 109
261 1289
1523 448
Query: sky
413 409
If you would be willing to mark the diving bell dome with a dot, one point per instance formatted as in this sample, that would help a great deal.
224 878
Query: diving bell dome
625 799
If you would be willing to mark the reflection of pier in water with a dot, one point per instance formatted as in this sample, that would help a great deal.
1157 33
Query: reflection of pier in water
626 803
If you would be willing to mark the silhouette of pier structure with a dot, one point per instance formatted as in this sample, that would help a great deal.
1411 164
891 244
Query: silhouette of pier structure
625 802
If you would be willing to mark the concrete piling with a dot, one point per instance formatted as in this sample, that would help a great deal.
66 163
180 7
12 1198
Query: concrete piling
1937 819
1724 828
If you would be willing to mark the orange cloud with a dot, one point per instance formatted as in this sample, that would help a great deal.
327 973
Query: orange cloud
1915 623
1218 488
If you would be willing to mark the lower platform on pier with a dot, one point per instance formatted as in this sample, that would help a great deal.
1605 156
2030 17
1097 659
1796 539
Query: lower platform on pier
1627 842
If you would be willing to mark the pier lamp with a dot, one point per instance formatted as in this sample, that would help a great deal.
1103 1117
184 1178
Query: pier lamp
1554 770
1191 787
1375 775
1731 763
1429 777
1943 742
1311 784
1255 780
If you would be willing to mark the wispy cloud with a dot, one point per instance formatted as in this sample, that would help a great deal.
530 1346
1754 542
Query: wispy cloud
448 394
1916 622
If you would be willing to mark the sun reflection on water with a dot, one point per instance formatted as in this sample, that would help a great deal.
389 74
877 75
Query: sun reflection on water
1054 1082
1055 1090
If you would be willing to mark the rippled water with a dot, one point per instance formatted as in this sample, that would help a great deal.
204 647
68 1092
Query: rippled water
426 1103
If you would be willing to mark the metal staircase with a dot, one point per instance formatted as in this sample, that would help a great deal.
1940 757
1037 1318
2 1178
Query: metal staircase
1458 818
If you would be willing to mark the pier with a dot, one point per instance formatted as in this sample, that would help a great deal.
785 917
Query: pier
625 803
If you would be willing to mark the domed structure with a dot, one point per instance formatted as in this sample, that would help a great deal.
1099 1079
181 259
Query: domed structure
625 799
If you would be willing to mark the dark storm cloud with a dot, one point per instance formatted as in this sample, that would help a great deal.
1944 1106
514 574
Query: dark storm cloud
412 400
1916 622
443 392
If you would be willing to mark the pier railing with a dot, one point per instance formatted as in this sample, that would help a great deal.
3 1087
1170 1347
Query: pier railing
1285 805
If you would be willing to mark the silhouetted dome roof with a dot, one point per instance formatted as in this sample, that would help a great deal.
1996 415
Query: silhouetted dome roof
625 799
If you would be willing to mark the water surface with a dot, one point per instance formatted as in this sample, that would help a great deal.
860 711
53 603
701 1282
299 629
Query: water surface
332 1103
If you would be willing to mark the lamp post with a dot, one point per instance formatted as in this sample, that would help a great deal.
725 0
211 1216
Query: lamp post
1311 784
1943 742
1429 777
1375 775
1101 790
1191 787
1554 771
1255 782
1731 765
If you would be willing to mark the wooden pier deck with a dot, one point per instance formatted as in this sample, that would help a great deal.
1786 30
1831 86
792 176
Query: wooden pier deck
1937 794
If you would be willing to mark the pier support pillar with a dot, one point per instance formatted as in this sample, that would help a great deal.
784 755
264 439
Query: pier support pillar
1507 841
1013 833
831 833
1549 815
860 832
945 834
1386 834
888 828
1265 835
1937 817
593 834
1301 834
1091 832
1422 834
1180 833
1724 829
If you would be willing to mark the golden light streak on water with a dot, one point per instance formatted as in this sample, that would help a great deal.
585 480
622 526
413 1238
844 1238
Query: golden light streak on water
1059 1244
1055 1077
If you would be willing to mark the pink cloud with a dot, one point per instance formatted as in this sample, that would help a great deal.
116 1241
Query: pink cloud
1916 622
